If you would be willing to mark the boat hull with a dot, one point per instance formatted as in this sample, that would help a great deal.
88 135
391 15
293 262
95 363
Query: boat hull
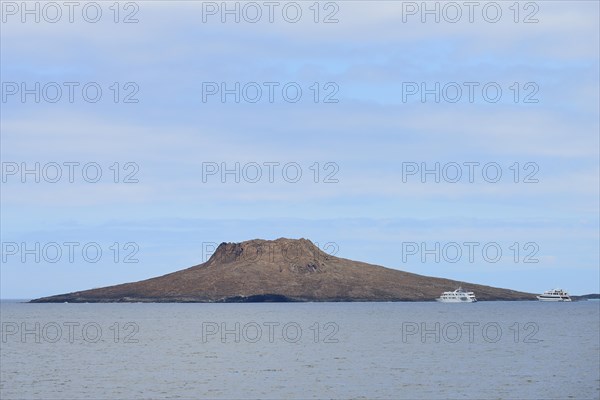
455 300
554 299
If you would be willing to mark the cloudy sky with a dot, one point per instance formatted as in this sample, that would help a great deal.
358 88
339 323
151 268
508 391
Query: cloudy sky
382 131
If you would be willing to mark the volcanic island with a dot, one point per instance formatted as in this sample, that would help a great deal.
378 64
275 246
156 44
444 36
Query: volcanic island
282 270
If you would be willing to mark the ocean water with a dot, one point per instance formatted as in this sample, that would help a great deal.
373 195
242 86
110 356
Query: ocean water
486 350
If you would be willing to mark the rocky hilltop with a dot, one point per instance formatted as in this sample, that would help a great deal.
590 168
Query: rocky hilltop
282 270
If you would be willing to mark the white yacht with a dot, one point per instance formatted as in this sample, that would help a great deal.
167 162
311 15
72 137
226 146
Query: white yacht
554 295
457 296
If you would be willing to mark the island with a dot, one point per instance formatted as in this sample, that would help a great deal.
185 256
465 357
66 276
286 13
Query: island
282 270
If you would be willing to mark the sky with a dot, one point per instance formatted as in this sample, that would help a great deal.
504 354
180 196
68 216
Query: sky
439 139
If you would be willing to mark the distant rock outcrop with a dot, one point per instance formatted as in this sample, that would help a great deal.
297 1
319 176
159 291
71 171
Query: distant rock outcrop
591 296
282 270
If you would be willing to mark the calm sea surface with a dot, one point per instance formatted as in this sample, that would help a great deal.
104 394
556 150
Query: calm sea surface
486 350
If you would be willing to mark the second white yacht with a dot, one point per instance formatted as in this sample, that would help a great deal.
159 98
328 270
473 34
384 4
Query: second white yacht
554 295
